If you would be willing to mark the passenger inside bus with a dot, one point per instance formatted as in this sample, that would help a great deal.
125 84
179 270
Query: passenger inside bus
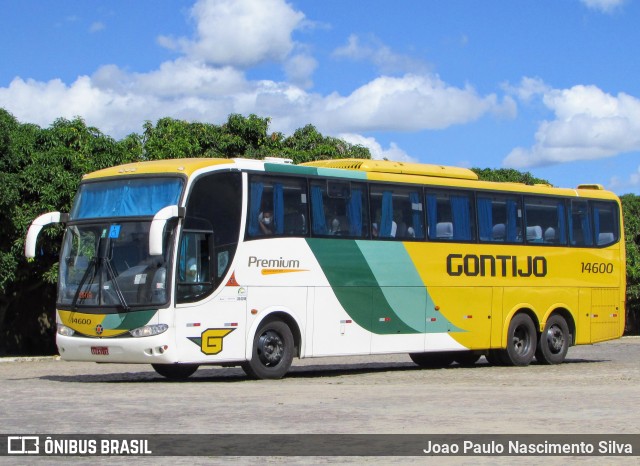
265 221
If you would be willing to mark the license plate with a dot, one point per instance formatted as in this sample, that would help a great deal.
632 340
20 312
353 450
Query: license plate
100 350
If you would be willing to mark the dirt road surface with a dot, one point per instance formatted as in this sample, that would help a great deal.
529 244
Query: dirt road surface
596 391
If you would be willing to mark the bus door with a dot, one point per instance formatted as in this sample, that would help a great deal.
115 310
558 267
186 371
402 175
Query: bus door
207 326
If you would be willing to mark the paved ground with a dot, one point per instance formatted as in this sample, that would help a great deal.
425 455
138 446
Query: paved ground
595 391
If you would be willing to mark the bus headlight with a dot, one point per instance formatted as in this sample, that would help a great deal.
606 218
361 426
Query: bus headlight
148 330
65 331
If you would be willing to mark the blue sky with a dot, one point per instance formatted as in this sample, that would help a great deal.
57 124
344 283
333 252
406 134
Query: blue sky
546 86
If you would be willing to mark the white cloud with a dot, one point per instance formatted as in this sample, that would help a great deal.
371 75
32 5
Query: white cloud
239 33
632 182
380 55
205 85
175 79
528 88
589 124
605 6
376 149
299 69
408 103
97 27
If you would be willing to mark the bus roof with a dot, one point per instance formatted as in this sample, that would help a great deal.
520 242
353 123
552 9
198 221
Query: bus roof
357 169
388 166
168 166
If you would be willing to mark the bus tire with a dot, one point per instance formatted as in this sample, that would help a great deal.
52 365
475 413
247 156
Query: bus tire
272 351
175 371
522 340
432 360
554 341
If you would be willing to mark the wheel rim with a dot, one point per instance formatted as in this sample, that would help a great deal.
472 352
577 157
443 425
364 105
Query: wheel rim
270 348
521 340
555 339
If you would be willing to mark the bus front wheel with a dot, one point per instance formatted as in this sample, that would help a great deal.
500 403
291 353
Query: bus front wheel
521 341
175 371
554 341
272 351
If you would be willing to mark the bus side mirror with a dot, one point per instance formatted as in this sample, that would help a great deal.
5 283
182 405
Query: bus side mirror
156 233
36 226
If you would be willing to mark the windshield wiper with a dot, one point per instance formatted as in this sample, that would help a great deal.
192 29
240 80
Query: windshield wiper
92 265
96 265
111 272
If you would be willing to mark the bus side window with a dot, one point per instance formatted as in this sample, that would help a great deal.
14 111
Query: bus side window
277 206
545 220
605 223
450 216
339 212
194 266
396 213
499 218
580 232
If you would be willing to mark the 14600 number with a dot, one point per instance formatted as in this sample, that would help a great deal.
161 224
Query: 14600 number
597 267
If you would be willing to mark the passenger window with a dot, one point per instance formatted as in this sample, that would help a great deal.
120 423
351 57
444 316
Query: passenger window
194 265
396 213
339 208
605 223
450 216
499 218
580 232
545 219
277 206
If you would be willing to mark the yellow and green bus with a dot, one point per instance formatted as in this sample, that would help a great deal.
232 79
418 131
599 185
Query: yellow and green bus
189 262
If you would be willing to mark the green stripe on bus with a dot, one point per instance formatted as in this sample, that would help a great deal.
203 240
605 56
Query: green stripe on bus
398 280
314 171
338 173
356 287
291 169
129 320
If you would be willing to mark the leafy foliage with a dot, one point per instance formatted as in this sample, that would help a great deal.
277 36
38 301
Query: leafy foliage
507 175
41 168
631 214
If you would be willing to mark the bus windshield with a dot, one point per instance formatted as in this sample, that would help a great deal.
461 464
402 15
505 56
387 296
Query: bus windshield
135 197
108 265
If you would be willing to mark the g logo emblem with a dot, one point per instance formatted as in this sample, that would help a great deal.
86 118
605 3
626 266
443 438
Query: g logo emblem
211 342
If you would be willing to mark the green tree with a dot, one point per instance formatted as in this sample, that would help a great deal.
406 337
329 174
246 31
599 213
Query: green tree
307 144
509 175
239 137
631 215
40 170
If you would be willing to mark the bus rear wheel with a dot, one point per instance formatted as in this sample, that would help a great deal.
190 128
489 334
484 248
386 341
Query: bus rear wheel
554 341
272 352
175 371
432 360
521 341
